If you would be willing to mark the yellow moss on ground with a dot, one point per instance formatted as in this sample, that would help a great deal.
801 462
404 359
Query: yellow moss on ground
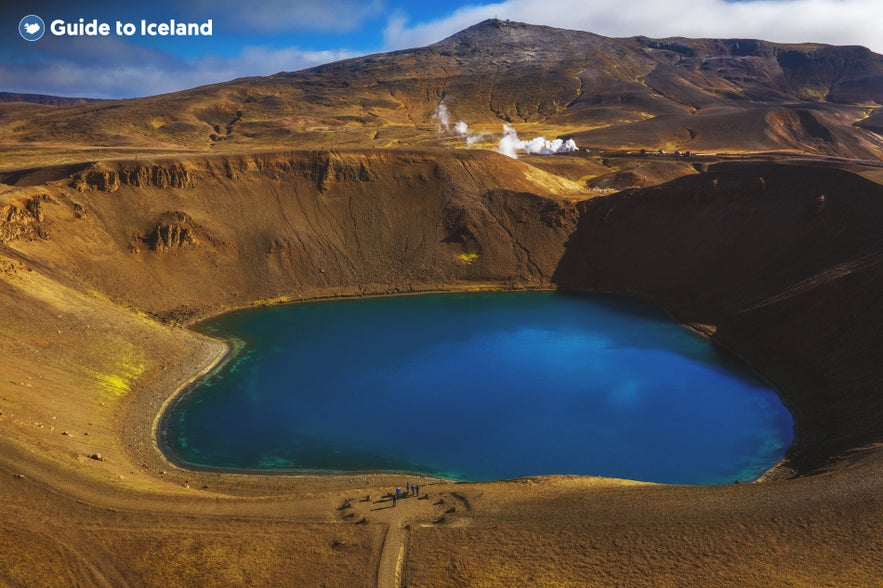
468 258
117 382
278 300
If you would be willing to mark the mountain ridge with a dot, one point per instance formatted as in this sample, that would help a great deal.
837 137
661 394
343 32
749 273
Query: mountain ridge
732 95
45 99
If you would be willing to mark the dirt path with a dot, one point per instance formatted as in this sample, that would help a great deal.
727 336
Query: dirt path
389 572
432 507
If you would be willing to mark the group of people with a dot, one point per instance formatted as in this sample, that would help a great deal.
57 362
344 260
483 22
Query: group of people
410 490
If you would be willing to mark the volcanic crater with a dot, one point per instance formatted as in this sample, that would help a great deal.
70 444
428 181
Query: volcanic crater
123 221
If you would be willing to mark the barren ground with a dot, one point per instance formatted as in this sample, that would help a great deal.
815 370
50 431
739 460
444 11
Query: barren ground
103 264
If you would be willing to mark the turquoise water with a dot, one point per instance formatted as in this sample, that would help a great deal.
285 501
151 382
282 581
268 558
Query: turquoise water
478 387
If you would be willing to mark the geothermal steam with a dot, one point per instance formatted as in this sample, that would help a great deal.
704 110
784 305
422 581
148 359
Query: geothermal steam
510 145
459 128
444 119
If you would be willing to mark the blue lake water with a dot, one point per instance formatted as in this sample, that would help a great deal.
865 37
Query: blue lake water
478 387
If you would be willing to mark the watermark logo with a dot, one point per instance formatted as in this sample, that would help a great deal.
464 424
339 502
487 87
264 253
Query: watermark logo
31 28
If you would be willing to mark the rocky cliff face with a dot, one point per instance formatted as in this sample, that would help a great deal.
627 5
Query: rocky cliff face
183 236
172 230
24 220
101 177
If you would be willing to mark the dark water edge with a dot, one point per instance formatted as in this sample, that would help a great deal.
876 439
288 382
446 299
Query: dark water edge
339 453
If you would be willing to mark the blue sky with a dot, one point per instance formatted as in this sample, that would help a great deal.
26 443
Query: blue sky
267 36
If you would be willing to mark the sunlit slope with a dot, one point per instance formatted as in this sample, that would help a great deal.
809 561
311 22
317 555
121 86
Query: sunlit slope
686 94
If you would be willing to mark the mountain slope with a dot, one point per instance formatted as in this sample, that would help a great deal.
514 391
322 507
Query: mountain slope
688 94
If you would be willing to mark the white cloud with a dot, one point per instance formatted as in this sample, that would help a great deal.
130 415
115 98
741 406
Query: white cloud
838 22
262 61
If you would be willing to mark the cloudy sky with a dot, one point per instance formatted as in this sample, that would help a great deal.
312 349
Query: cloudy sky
263 37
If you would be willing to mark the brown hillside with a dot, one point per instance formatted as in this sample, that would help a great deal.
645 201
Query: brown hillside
688 94
243 228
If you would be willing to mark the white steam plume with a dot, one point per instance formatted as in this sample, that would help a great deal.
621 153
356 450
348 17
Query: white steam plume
510 145
443 118
461 129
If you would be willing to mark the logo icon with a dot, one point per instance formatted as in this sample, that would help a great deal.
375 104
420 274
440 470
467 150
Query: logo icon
31 28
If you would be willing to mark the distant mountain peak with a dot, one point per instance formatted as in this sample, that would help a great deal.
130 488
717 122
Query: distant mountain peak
509 42
612 93
43 99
